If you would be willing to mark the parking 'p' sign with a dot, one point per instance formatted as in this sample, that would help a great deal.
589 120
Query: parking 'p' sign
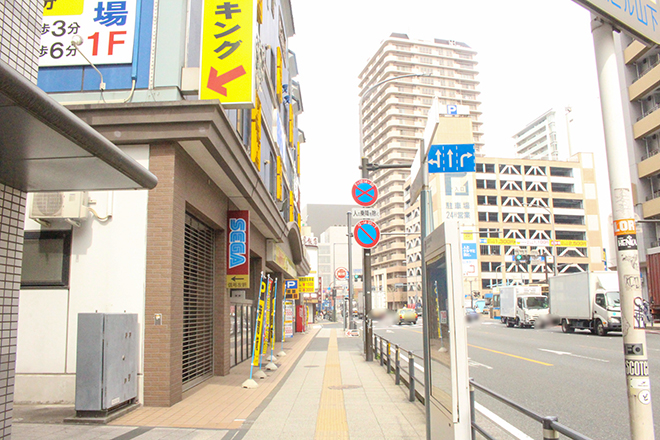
365 192
366 233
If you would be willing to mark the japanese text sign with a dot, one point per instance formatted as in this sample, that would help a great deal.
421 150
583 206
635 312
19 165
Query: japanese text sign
228 52
106 28
238 249
638 17
305 284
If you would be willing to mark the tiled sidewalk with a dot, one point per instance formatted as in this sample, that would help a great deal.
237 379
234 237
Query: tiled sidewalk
371 404
222 402
323 389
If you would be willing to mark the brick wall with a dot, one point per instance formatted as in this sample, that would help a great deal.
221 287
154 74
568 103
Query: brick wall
12 212
182 187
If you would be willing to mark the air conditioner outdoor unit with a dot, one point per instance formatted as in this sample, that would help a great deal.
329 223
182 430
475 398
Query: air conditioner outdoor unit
59 205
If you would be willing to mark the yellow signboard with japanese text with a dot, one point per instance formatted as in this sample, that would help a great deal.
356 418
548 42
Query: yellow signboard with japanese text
63 7
305 284
227 55
529 242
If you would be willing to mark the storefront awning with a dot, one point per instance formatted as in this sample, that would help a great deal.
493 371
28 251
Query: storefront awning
45 147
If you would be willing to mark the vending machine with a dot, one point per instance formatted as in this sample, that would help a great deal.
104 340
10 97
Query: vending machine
445 350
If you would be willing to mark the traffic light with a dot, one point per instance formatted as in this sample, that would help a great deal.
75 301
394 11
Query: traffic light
357 277
522 259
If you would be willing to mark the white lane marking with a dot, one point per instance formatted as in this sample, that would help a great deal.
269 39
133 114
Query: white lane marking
502 423
472 363
562 353
389 331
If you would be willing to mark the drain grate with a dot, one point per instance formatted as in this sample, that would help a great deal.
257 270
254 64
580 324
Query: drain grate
344 387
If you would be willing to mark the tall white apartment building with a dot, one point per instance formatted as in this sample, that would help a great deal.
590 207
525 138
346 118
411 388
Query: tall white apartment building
393 118
547 137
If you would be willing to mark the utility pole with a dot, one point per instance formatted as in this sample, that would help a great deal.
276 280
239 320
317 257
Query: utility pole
633 321
334 304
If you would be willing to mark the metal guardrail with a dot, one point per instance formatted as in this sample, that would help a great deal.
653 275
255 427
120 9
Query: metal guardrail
383 351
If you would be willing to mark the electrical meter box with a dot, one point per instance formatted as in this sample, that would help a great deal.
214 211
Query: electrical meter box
106 364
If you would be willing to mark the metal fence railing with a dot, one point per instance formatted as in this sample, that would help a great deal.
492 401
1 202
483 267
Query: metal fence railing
390 356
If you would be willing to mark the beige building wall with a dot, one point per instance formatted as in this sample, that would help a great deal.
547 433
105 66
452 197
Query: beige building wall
500 193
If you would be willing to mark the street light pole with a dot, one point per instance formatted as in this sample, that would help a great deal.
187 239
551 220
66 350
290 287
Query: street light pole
366 253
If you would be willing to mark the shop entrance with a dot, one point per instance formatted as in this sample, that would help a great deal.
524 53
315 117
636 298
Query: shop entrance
197 302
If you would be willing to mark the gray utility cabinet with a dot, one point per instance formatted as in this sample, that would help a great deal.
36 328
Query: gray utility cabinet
106 365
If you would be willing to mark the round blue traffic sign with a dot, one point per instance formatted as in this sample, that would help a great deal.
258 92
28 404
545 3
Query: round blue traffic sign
366 233
365 192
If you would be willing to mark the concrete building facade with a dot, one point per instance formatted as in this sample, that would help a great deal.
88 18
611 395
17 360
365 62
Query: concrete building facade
393 120
547 137
43 147
531 206
640 90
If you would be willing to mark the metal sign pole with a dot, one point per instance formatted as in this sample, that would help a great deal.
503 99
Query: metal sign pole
351 289
366 282
633 321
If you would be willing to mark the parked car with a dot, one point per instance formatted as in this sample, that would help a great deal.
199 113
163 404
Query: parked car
407 315
471 314
418 310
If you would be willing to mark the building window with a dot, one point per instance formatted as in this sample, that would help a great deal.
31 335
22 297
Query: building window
563 187
486 249
46 259
569 219
488 217
568 203
562 172
486 200
486 184
485 168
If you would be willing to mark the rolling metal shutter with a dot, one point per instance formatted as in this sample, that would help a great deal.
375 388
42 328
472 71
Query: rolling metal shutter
197 303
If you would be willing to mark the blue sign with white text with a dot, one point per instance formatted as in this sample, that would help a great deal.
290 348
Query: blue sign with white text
451 158
469 251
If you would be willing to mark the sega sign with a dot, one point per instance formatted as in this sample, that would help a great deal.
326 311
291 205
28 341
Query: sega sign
238 246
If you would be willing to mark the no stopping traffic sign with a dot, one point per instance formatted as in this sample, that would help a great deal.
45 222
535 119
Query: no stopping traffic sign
366 233
364 192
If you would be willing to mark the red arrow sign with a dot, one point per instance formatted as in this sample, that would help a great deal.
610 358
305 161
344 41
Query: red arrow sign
216 82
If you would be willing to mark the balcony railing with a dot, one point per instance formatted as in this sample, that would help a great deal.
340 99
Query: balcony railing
655 195
648 112
650 154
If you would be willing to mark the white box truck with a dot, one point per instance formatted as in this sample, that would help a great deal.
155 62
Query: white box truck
586 300
522 306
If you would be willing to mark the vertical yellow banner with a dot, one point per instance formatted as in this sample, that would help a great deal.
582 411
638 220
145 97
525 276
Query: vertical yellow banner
267 314
227 55
256 350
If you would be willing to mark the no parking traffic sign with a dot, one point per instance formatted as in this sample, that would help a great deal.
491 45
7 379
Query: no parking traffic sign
366 233
364 192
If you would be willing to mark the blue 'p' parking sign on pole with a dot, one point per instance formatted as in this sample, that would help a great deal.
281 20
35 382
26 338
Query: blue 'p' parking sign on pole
451 158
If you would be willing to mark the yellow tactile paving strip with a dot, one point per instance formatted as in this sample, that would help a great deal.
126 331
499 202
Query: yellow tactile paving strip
331 422
221 402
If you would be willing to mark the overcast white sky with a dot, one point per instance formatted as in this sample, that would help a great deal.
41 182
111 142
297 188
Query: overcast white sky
532 55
